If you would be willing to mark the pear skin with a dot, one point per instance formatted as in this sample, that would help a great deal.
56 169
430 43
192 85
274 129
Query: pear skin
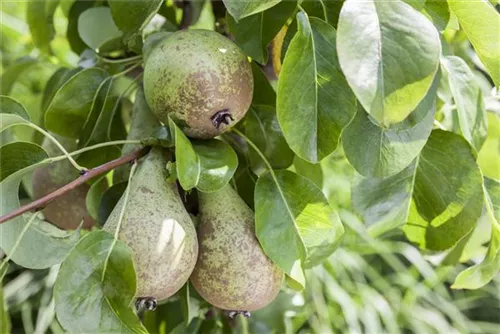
143 124
67 211
232 271
158 229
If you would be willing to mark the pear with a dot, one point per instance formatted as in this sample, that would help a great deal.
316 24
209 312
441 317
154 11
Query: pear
67 211
143 124
157 228
232 271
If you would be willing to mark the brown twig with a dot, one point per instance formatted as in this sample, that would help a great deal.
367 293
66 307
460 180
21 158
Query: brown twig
40 203
187 14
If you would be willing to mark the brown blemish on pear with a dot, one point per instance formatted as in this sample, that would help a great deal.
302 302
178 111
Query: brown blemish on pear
158 229
193 74
232 271
67 211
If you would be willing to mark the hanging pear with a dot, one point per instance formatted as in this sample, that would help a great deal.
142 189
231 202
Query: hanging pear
66 211
157 228
142 125
232 271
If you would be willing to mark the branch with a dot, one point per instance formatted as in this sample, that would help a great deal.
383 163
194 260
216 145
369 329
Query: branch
187 13
40 203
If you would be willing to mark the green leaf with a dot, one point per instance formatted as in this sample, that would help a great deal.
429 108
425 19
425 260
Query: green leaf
131 16
42 245
5 325
109 200
481 274
10 106
187 161
318 92
326 10
94 196
468 99
190 306
217 161
255 32
438 11
243 8
55 82
67 113
294 223
380 152
389 53
478 19
488 155
263 92
40 18
95 288
262 127
13 72
96 27
439 196
72 35
310 171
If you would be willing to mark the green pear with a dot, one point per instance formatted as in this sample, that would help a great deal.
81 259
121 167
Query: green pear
158 229
199 78
68 210
142 125
232 271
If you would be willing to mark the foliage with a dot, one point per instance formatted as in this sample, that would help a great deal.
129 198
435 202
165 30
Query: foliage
370 155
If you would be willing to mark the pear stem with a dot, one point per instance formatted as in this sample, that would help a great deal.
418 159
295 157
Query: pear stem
40 203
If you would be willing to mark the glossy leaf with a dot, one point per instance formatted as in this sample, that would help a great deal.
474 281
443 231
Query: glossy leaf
94 196
438 196
327 10
187 161
438 11
255 32
468 100
55 82
131 16
96 27
218 162
40 18
67 113
481 274
72 35
478 19
109 200
243 8
262 127
100 271
318 92
389 53
10 106
380 152
42 245
294 223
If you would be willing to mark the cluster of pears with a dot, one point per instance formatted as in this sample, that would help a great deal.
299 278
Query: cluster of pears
204 82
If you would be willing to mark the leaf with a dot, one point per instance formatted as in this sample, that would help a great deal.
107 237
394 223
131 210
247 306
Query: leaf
5 325
481 274
72 35
190 306
253 33
438 196
109 200
317 92
389 53
478 19
326 10
13 72
488 155
43 245
96 27
294 223
468 98
55 82
40 18
262 127
380 152
263 92
217 161
243 8
131 16
187 161
439 13
67 113
10 106
95 288
94 196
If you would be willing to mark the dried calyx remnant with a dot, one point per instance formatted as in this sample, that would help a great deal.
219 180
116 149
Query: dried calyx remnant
199 78
233 314
146 304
